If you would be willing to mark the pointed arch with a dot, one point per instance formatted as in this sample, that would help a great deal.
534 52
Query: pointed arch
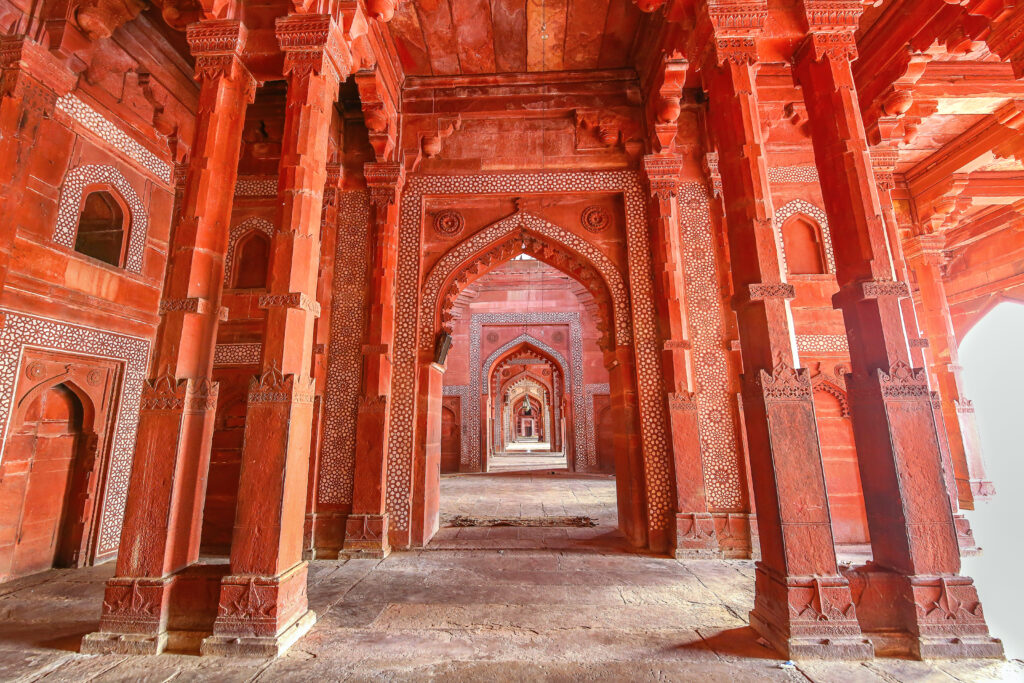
500 242
525 340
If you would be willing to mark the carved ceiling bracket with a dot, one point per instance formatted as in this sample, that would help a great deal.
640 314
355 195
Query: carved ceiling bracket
664 101
380 112
313 45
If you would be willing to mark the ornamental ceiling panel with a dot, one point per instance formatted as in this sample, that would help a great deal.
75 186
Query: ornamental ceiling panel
453 37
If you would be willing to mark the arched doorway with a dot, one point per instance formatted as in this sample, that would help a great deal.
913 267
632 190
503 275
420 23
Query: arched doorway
47 476
458 285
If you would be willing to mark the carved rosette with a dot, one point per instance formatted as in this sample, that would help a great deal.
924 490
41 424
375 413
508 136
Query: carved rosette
449 222
274 387
595 219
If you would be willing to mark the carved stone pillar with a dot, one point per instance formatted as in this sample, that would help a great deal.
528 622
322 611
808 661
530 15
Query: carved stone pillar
924 256
32 81
914 586
321 348
163 514
629 463
366 531
263 607
803 605
695 528
426 475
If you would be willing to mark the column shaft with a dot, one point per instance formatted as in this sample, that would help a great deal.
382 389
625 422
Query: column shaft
163 513
802 604
913 536
366 531
695 529
263 606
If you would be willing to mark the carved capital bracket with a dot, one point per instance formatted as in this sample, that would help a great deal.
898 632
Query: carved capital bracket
904 383
298 300
664 101
925 248
681 401
714 175
385 181
727 33
831 27
380 113
167 393
313 45
217 46
770 290
662 172
883 163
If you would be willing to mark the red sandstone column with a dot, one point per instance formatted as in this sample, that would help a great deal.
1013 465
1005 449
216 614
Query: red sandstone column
629 463
803 605
163 515
914 585
33 80
366 531
695 528
263 608
924 256
427 461
321 343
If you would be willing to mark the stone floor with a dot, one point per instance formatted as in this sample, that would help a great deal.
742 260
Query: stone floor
501 608
522 462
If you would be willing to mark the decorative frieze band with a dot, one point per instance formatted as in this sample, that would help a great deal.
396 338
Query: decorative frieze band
192 304
237 354
822 343
299 300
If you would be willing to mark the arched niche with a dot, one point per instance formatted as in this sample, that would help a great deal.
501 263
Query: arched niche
803 244
104 225
251 261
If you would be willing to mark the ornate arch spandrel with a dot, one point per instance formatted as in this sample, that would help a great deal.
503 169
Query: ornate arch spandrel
658 474
523 232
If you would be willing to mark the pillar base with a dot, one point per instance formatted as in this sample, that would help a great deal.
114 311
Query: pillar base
808 617
259 646
366 536
922 616
695 536
257 615
105 643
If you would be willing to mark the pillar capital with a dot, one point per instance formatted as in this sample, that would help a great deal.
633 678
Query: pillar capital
313 45
831 28
727 33
662 172
217 46
385 181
